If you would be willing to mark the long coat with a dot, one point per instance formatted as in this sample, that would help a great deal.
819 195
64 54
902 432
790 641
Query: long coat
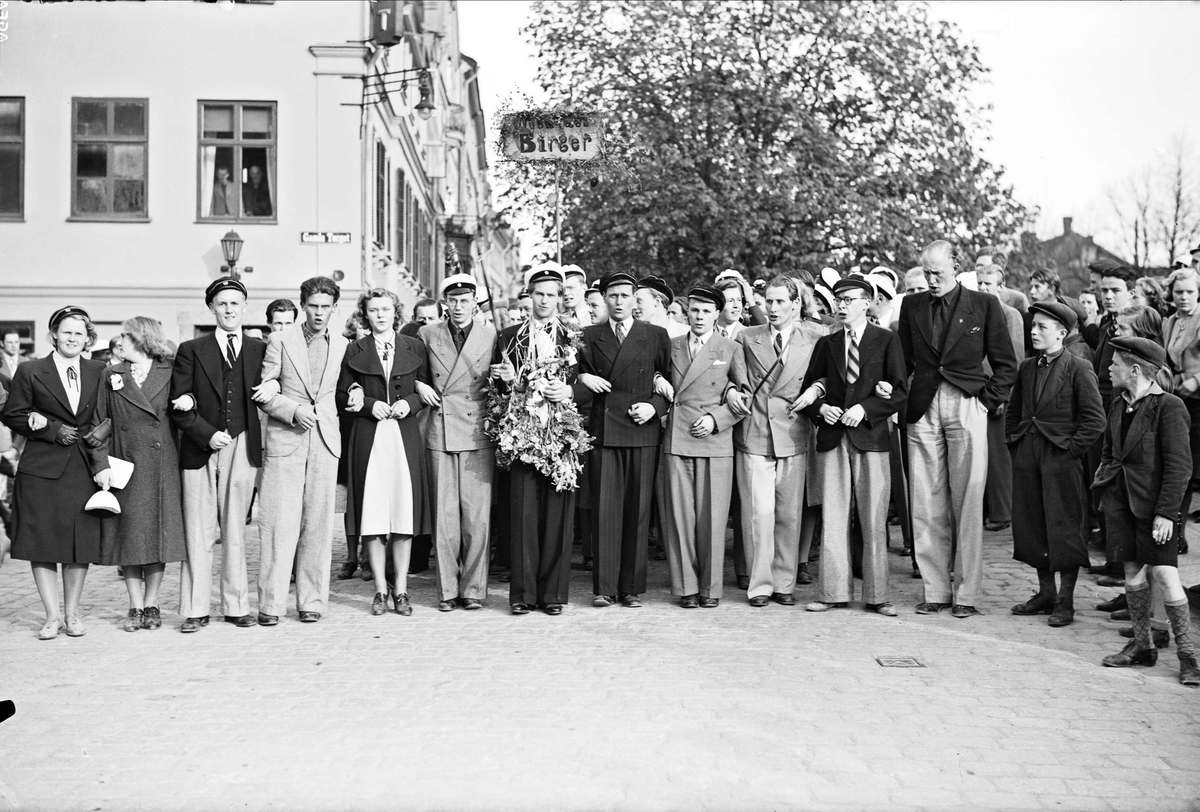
149 529
53 481
361 365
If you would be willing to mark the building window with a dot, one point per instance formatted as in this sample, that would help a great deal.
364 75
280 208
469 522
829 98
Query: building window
381 196
237 162
402 239
12 158
108 172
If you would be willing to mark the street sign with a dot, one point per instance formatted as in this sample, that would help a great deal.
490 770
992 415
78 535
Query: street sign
536 136
324 237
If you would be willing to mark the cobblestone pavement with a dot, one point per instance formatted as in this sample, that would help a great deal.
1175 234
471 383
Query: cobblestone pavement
658 708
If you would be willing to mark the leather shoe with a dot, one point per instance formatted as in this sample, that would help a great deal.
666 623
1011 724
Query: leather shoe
401 603
519 608
690 602
50 630
1062 616
759 601
1189 672
601 601
195 624
1110 580
709 603
961 610
803 576
1120 614
552 608
347 571
1160 637
1132 654
885 609
75 627
930 607
1099 569
379 605
589 564
151 618
821 606
995 527
133 620
743 582
310 617
1116 603
267 620
470 603
243 622
1039 604
631 601
447 606
783 599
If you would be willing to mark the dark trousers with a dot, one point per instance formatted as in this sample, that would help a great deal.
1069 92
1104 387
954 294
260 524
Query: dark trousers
900 485
542 527
740 570
1093 462
622 509
1049 506
998 493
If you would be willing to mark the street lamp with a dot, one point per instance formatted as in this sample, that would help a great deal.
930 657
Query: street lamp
424 106
231 247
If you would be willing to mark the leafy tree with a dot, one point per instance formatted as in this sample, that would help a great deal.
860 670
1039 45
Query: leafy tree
765 135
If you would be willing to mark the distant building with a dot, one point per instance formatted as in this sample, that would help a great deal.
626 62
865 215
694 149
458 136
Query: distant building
1070 253
336 138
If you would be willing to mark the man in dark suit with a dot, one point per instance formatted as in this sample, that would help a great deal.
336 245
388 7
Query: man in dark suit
220 450
997 494
846 404
1143 475
620 361
10 356
1054 417
947 333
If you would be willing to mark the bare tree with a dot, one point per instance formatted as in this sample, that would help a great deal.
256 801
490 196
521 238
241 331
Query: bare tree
1158 208
1132 202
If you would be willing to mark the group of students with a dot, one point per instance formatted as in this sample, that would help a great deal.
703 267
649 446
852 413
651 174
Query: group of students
796 415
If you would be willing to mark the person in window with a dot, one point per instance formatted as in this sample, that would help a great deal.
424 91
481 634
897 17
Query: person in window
256 194
51 403
224 195
135 394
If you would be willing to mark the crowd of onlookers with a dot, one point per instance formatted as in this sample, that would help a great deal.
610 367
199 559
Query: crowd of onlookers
811 410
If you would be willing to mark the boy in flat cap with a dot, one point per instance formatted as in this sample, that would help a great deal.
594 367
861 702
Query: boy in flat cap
698 452
853 442
1054 417
220 451
1144 470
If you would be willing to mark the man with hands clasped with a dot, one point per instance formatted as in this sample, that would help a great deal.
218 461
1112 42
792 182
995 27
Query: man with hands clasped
855 382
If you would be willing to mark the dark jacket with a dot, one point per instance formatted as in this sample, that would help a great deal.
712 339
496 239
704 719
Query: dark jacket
880 358
976 331
1153 462
1068 414
630 368
198 372
37 388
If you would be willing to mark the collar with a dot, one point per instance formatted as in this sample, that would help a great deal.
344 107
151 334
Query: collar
1131 400
64 363
950 299
466 331
701 339
858 327
386 338
627 323
1053 356
786 332
309 335
221 334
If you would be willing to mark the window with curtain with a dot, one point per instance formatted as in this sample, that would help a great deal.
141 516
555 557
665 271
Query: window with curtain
12 158
237 161
108 166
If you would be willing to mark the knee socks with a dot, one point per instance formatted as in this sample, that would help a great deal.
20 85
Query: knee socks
1178 613
1139 612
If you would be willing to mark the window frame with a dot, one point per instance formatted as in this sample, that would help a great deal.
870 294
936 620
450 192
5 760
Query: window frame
19 215
109 140
238 143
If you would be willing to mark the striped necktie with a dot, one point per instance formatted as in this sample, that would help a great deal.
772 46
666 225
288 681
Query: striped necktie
851 358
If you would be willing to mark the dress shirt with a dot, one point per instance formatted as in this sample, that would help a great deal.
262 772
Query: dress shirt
785 336
625 325
696 343
858 327
72 386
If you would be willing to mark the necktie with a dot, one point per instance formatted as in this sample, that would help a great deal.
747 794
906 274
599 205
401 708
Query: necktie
619 329
232 349
387 353
851 358
1039 381
460 338
695 347
939 321
778 344
724 331
73 378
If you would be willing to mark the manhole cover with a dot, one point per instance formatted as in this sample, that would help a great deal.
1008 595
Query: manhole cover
899 662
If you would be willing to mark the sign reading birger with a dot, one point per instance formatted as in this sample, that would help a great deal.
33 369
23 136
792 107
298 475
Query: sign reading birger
538 136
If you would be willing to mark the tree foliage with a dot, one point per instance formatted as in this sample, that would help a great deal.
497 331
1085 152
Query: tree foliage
765 135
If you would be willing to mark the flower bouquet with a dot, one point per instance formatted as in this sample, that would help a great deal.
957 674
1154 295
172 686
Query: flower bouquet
550 437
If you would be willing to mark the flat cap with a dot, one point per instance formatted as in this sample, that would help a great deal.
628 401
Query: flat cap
657 283
1062 313
224 283
66 312
616 278
1149 351
708 293
459 283
855 282
1102 265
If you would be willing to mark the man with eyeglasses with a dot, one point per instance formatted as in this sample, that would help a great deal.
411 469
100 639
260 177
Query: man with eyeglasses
856 381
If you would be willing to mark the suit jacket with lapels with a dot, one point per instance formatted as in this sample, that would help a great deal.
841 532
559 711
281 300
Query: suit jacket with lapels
630 367
286 361
880 358
1069 413
769 430
199 371
38 388
700 386
461 380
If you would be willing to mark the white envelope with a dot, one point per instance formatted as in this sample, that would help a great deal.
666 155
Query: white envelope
121 471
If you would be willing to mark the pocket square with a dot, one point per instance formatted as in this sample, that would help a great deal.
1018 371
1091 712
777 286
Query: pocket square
719 363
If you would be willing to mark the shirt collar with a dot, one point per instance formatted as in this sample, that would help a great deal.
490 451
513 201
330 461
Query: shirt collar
950 299
701 339
309 335
859 327
222 336
63 363
626 324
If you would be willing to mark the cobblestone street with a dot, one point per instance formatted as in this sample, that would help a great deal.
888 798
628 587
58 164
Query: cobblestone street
657 708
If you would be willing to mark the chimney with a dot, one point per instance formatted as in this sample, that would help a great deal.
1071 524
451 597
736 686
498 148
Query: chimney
1067 225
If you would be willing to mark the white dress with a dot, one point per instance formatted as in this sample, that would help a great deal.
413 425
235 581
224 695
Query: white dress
387 505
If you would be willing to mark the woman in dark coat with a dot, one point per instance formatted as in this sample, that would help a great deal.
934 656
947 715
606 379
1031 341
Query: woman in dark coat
148 533
386 493
51 404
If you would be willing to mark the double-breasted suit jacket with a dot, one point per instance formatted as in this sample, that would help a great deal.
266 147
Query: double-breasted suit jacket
700 385
1048 436
53 481
149 529
363 366
199 372
461 379
769 430
630 367
880 359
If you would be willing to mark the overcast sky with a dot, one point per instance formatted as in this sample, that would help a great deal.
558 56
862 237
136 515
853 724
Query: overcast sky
1085 94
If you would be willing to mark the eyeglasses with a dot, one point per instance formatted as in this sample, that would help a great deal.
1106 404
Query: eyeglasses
846 300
